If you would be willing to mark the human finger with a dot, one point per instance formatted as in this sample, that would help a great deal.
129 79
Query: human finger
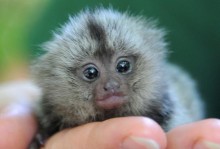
116 133
204 134
17 123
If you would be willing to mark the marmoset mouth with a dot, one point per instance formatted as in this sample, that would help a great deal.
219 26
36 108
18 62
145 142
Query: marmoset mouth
111 101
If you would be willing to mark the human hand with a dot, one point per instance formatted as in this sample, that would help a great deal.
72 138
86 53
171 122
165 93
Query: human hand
110 134
116 133
17 123
204 134
18 126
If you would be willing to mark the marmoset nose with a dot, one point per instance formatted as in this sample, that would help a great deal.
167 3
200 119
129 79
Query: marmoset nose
111 85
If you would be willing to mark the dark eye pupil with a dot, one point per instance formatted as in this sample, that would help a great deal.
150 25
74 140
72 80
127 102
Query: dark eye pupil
91 73
123 66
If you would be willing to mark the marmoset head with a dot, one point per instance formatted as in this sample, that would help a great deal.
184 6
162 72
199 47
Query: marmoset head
102 64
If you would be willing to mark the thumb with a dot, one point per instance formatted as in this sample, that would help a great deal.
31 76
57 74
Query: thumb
117 133
17 123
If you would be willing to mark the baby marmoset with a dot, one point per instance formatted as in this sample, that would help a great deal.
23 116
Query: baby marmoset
103 64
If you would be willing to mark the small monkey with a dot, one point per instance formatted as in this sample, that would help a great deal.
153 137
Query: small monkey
103 64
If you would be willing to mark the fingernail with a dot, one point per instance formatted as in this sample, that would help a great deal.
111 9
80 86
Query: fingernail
206 145
139 143
16 109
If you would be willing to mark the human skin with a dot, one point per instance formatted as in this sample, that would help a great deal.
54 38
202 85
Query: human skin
17 123
18 126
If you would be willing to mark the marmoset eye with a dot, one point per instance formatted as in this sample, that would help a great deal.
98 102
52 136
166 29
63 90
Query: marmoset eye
91 73
123 66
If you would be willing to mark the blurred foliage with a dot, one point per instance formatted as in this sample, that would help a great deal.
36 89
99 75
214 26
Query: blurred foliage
15 20
193 33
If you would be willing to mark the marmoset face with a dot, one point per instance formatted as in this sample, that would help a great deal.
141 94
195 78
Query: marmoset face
102 64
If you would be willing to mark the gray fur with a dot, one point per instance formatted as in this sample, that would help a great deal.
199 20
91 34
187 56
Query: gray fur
155 89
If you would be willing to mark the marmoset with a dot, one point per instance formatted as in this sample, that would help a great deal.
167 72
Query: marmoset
103 64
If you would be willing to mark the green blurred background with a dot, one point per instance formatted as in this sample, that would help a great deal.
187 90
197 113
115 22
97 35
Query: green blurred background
193 33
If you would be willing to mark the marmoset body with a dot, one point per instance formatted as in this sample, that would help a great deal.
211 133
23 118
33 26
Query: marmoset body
103 64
